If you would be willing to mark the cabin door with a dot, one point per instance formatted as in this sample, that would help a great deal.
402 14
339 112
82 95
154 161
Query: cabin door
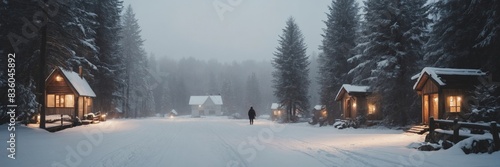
425 110
348 109
430 107
433 108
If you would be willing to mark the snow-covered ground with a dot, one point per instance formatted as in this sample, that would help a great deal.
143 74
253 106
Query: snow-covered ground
218 141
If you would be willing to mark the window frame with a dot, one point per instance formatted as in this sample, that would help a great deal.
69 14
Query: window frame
454 104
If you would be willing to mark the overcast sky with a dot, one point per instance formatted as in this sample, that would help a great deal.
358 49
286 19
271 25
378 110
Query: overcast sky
193 28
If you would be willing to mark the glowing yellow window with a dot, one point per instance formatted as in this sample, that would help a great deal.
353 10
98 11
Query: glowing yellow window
455 103
69 100
50 100
371 109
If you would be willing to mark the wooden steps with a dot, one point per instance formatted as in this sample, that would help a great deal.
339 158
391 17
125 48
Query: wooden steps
418 129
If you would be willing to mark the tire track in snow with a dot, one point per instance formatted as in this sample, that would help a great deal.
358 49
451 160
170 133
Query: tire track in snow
228 148
330 155
135 151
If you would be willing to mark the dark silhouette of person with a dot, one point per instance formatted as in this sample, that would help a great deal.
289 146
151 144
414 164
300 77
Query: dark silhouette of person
251 115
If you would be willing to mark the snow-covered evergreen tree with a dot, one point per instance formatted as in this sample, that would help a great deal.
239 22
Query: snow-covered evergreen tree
138 95
108 83
466 35
291 75
339 39
487 106
396 31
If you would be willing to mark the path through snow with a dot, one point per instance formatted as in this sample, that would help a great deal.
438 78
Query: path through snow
218 141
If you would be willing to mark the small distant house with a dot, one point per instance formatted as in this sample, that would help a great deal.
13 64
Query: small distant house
319 111
68 93
355 100
445 92
276 111
205 105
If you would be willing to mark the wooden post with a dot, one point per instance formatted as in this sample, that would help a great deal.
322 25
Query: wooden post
494 133
61 120
456 127
432 125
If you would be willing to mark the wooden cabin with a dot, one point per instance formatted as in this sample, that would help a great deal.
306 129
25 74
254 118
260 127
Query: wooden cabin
446 92
68 93
205 105
276 111
356 101
319 111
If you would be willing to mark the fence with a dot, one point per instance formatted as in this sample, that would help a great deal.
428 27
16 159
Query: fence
455 126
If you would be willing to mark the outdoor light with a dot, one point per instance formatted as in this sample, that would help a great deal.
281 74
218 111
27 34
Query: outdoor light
199 105
171 116
436 99
354 104
38 119
59 78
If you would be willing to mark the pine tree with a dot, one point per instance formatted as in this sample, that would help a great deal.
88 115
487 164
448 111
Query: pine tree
137 93
395 34
339 39
108 82
465 35
291 81
487 107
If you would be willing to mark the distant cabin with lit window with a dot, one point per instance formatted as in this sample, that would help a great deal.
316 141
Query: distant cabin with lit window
276 111
205 105
356 101
68 93
446 92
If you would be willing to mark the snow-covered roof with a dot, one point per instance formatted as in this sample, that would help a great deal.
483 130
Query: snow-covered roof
275 106
80 84
435 74
355 88
199 100
318 107
174 112
352 88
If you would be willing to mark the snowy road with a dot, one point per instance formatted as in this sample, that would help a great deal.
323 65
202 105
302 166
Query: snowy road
218 141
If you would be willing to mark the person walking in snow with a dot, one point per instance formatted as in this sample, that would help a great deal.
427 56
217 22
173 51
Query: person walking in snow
251 115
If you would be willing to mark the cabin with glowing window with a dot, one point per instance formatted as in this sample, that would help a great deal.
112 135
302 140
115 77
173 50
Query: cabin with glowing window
357 101
68 93
277 111
446 92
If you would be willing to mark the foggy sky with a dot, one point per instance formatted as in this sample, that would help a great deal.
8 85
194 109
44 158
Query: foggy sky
193 28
